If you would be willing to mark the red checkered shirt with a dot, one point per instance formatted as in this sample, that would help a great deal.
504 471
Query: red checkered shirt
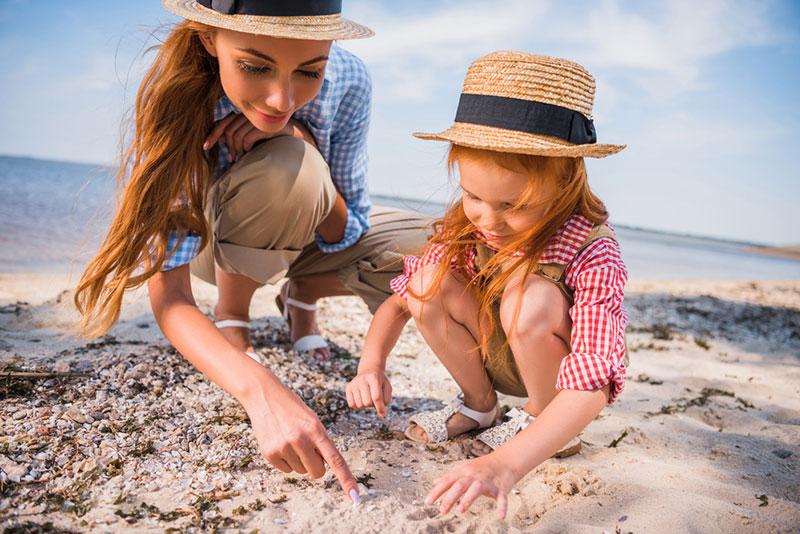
597 278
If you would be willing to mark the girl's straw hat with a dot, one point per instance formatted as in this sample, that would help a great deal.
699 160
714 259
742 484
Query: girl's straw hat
292 19
526 104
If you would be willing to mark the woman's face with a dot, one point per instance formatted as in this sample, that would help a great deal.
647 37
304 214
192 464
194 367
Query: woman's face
268 78
491 200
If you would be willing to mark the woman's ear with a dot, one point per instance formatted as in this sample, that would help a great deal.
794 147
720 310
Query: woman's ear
207 38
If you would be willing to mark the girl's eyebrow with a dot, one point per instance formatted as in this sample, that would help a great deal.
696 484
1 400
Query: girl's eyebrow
262 55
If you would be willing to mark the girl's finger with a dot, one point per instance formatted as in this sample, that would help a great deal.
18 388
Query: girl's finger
502 505
440 487
358 398
293 460
349 395
453 494
376 395
387 392
279 463
473 492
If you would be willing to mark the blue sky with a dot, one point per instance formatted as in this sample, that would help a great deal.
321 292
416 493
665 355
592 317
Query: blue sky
705 94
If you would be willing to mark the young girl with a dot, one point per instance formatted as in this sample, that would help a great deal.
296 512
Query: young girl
520 291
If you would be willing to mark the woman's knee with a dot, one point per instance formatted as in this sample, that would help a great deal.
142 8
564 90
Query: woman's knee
278 174
534 306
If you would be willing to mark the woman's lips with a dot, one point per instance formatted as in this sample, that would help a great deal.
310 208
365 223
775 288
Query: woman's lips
273 119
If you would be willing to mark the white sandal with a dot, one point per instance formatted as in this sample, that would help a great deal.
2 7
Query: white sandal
434 423
518 420
236 323
308 343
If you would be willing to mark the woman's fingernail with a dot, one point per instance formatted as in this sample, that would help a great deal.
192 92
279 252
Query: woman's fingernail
355 497
205 145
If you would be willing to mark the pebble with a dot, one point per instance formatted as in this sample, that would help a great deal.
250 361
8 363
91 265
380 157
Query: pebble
782 453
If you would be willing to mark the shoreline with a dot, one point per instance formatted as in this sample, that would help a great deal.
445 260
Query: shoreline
706 431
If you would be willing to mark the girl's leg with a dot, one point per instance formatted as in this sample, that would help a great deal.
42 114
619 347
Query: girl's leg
539 338
449 323
235 292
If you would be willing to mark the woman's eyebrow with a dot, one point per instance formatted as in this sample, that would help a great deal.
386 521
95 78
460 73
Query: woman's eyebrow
262 55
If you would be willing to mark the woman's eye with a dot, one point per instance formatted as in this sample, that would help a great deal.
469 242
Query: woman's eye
314 74
252 69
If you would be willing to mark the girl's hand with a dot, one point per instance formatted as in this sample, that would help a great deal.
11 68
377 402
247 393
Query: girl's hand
239 134
291 437
469 480
370 388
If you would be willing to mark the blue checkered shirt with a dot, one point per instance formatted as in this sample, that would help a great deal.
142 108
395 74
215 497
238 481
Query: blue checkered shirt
338 118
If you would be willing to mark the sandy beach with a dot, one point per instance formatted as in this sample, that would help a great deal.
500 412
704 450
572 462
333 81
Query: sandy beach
122 433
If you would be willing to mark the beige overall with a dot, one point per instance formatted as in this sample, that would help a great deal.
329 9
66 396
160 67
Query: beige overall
500 364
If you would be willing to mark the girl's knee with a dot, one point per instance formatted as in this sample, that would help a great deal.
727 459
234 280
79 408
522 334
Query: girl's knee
534 306
425 293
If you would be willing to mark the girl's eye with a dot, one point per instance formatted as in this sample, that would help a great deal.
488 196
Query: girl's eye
252 69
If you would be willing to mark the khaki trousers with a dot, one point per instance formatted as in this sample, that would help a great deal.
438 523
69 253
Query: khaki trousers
263 214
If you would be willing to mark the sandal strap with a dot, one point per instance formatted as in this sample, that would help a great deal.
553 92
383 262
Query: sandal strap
500 434
228 323
309 343
434 423
298 304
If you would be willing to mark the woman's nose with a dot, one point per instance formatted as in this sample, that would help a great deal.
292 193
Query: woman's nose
280 98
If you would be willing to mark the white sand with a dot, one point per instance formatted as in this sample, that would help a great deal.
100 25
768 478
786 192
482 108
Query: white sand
719 359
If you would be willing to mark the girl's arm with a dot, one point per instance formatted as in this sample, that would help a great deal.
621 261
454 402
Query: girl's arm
495 474
371 387
289 434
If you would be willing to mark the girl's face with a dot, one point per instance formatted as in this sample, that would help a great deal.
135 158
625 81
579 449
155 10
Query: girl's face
491 196
268 78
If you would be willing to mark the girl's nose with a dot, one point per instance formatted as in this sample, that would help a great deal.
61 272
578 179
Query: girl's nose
280 98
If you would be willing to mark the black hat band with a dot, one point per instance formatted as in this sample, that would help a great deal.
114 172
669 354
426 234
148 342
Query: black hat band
275 8
526 116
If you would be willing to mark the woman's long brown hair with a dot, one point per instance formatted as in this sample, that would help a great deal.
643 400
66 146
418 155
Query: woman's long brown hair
455 232
164 175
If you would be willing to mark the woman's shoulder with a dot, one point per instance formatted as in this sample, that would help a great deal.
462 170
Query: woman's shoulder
346 68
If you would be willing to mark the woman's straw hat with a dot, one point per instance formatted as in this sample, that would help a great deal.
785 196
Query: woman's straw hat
526 104
292 19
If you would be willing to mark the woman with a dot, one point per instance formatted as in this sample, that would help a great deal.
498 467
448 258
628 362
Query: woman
250 149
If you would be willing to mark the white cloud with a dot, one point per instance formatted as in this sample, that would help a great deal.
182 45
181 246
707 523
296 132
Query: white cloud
662 49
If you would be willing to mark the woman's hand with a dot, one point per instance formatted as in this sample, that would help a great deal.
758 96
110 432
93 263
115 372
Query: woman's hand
482 476
370 388
239 134
291 437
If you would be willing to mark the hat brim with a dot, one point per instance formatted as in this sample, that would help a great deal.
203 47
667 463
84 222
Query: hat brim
503 140
314 28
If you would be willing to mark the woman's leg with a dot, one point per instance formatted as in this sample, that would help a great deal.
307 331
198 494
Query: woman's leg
363 269
449 323
262 213
538 330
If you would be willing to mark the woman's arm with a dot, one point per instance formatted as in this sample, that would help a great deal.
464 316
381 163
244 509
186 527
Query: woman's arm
371 387
289 434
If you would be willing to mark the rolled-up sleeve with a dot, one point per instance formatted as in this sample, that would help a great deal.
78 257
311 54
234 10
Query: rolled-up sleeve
599 319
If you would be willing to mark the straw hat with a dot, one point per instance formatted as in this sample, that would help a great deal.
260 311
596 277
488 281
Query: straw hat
526 104
291 19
